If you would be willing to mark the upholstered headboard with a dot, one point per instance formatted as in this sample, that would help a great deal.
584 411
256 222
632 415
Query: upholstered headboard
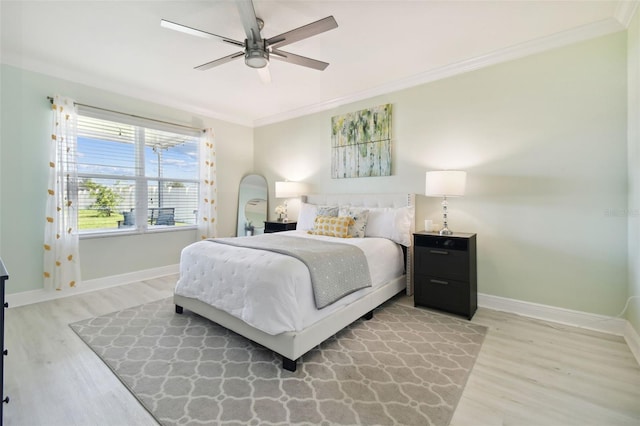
364 200
374 200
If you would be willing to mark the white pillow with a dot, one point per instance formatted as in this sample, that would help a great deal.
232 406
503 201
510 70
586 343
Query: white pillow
307 216
393 223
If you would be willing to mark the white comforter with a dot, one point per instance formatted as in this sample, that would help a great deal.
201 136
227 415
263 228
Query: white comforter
270 291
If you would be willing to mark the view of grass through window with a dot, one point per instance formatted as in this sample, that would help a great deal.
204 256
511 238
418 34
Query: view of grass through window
133 176
95 219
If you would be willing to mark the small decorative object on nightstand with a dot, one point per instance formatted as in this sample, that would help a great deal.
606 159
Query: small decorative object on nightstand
281 211
445 272
277 226
287 190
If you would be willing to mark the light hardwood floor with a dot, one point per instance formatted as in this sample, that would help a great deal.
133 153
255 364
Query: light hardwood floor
529 372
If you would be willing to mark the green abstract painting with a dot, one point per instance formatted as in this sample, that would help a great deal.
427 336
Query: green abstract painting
361 143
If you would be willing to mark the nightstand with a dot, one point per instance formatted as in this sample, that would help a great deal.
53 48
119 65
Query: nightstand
445 272
276 226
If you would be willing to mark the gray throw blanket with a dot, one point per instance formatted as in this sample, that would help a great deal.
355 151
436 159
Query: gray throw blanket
336 269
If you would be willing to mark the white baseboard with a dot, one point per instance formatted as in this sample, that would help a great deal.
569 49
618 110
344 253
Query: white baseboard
42 295
602 323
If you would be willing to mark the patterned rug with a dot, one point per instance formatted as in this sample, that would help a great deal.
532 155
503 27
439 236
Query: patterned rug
406 366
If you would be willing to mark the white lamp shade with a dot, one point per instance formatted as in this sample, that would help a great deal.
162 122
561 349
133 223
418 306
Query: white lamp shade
290 189
450 183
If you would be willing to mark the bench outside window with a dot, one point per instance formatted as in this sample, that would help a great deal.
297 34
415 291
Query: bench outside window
162 216
156 216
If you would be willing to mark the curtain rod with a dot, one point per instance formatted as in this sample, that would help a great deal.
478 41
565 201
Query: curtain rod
133 115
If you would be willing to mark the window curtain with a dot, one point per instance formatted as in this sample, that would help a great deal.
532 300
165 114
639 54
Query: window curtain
207 206
61 260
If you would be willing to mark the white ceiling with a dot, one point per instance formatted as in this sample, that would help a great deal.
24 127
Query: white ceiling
378 47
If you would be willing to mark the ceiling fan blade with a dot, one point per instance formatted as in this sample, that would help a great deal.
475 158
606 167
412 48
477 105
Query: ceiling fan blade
301 33
249 20
198 33
219 61
264 74
298 60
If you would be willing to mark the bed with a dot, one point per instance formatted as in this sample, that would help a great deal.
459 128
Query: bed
267 297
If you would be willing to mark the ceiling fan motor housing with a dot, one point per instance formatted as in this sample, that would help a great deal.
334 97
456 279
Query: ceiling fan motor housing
256 56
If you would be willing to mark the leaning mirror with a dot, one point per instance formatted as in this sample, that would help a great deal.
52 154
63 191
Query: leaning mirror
252 205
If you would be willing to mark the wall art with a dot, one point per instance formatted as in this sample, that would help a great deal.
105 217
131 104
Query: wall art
361 143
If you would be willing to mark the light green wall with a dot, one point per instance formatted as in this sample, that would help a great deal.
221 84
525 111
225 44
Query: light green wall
25 121
543 139
633 48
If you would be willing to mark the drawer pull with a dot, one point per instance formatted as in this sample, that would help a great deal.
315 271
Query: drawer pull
439 282
438 252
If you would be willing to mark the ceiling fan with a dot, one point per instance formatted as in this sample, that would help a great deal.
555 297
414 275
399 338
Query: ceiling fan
257 51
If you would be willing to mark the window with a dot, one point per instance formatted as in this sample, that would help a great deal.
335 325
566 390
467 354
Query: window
135 174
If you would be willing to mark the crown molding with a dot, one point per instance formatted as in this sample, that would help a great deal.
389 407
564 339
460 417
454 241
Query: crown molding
624 11
564 38
79 77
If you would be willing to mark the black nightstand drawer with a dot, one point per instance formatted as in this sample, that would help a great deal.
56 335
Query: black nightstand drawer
448 295
452 264
270 227
442 242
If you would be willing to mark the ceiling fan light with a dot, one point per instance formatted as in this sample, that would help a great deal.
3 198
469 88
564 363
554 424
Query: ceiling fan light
256 58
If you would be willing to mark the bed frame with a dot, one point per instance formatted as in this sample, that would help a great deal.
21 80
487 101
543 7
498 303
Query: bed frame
292 345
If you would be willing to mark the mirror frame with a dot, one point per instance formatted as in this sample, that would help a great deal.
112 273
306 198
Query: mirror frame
252 187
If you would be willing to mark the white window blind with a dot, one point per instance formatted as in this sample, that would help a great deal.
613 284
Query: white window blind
135 174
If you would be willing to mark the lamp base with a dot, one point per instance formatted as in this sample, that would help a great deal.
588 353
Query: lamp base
445 231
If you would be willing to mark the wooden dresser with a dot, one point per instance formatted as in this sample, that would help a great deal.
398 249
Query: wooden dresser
4 276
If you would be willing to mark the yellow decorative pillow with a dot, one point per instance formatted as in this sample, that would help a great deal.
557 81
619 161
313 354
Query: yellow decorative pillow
332 226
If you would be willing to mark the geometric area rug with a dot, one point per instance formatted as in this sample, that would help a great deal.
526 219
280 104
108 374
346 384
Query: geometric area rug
406 366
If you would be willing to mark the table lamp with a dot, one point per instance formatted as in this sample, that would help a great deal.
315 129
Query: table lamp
289 189
445 183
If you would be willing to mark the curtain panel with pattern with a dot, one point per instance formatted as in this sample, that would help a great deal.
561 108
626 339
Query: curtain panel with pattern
61 251
207 207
